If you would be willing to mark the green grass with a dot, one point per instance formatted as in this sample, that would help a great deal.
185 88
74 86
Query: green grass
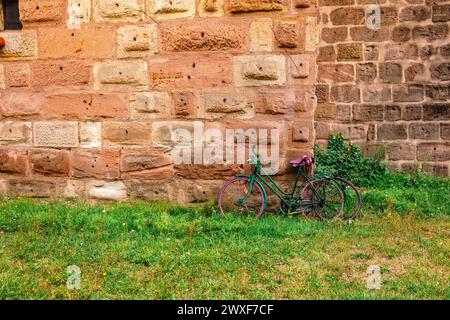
161 251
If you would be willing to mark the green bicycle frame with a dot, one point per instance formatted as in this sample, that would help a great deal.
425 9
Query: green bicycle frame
270 183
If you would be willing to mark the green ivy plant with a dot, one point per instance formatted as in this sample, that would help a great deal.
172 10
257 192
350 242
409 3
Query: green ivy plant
345 159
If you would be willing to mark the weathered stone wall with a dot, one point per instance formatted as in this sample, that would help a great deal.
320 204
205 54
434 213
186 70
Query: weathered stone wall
387 88
88 112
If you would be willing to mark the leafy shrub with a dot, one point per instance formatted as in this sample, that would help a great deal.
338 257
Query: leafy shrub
345 159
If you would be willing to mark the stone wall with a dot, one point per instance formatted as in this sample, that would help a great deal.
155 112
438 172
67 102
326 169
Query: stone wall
87 111
90 90
387 88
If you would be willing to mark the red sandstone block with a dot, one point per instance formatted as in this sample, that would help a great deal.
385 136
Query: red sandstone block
13 161
47 73
433 152
99 164
91 41
191 71
204 36
50 162
42 11
81 106
153 164
126 133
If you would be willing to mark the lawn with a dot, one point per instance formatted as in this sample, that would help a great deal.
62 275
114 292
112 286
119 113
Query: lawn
160 251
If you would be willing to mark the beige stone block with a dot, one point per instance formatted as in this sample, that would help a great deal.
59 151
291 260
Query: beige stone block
211 8
78 12
91 134
259 70
171 9
261 35
312 30
15 132
62 134
150 105
19 45
121 75
217 105
119 11
137 41
102 190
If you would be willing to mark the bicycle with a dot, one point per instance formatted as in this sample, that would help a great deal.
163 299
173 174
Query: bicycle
246 193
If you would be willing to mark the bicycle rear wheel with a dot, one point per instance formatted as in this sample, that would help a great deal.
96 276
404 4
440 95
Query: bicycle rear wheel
325 199
237 198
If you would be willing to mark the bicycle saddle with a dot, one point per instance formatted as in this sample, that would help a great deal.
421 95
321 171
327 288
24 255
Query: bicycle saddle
303 161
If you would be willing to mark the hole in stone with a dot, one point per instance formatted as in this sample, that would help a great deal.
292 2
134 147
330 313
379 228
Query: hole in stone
61 68
189 77
193 65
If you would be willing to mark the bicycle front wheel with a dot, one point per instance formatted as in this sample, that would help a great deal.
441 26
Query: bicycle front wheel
236 197
325 197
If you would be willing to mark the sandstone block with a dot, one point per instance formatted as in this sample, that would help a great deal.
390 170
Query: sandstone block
218 105
41 11
184 103
407 93
170 133
390 72
366 72
17 75
438 111
191 71
367 112
336 73
118 11
60 73
412 112
61 43
259 70
349 52
415 13
19 46
151 164
137 41
50 162
347 16
126 133
391 131
121 75
13 161
85 106
251 6
287 33
150 105
79 11
21 103
401 151
171 9
433 152
431 32
261 35
99 164
90 134
15 132
115 190
178 37
369 35
424 131
60 134
345 93
333 35
211 8
440 71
